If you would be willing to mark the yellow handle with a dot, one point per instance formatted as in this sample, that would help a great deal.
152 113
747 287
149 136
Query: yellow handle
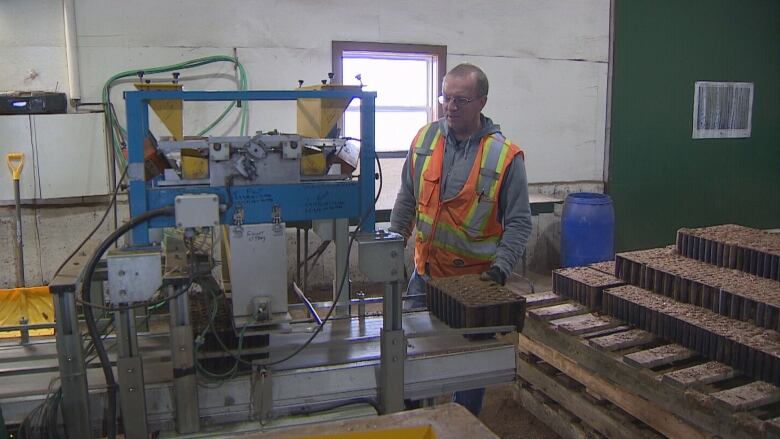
15 162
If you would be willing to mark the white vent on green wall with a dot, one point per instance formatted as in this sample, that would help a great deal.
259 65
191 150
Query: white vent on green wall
722 109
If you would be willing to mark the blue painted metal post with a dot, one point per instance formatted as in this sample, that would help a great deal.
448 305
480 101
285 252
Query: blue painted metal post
137 127
367 157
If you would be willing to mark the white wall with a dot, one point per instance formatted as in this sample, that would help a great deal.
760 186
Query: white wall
546 60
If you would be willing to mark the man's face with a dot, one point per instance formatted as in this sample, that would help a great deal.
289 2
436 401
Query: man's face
462 116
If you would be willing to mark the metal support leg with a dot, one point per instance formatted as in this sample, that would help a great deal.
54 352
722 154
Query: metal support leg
132 397
75 396
393 352
341 239
298 255
305 282
183 361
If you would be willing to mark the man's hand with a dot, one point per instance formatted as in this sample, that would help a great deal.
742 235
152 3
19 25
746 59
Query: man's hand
494 275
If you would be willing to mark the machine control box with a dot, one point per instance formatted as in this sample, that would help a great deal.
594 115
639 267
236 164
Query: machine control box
381 256
134 275
197 210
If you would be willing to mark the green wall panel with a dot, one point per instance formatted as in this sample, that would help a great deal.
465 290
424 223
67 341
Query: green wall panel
661 179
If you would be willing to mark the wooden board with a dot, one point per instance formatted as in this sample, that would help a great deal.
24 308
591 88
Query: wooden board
752 395
693 405
557 311
583 323
659 356
622 340
603 332
648 412
597 416
706 373
773 426
541 299
557 418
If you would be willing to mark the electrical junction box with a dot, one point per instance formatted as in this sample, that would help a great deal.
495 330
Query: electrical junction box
197 210
134 275
32 102
381 256
258 269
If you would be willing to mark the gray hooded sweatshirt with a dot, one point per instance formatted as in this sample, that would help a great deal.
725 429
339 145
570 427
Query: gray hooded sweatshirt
513 209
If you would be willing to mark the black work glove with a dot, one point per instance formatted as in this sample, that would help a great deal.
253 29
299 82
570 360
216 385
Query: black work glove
494 275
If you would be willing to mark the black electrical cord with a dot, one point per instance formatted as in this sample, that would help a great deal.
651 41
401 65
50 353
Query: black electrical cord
136 305
341 283
89 317
99 224
330 312
41 422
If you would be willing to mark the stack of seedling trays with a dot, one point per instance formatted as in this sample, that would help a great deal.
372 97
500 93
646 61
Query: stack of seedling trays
685 338
733 246
714 294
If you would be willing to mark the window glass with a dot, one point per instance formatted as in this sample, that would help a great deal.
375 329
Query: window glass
398 82
394 129
404 83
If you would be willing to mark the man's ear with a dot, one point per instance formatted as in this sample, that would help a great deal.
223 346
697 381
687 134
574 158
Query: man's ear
482 102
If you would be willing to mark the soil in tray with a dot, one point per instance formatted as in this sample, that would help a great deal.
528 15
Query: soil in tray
736 282
733 234
469 290
745 333
588 276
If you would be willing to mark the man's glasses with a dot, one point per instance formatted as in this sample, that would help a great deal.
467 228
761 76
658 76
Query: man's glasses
457 100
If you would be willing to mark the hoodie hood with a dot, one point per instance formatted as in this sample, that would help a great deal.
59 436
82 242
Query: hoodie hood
488 127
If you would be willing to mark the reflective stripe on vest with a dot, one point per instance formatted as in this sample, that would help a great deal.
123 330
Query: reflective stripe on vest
494 155
456 241
423 149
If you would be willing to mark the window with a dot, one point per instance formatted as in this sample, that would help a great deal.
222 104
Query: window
722 109
406 78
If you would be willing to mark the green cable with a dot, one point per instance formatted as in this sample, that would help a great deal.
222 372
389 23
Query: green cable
115 125
199 342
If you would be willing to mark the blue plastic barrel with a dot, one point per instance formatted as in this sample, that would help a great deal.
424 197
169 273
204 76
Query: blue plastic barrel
587 229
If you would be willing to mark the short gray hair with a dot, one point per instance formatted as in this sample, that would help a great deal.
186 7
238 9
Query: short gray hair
466 69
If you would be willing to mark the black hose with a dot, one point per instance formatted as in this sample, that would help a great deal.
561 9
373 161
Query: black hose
89 317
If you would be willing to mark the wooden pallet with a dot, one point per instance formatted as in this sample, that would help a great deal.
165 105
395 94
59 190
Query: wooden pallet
667 387
568 407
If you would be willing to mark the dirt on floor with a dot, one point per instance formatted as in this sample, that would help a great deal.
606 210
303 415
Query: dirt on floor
500 412
508 419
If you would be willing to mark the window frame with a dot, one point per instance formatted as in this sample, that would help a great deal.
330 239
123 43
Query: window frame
439 52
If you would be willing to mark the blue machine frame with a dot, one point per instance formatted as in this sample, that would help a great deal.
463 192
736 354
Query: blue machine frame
297 202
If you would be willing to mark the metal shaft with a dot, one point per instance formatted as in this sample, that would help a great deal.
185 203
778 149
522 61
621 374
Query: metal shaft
185 383
392 352
129 364
19 247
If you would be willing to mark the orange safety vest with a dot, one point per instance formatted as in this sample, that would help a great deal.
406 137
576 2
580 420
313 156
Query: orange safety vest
459 235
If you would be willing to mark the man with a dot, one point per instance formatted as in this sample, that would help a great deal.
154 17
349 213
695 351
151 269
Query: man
464 188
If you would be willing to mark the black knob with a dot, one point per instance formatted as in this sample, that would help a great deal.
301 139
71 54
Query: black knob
140 74
176 77
324 81
300 83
